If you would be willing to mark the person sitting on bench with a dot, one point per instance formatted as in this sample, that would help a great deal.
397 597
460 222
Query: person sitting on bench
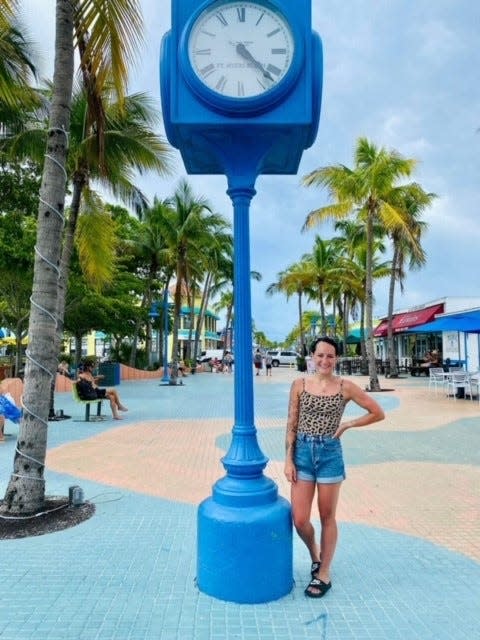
89 390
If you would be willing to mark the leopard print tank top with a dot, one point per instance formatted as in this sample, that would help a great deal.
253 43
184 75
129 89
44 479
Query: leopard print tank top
320 415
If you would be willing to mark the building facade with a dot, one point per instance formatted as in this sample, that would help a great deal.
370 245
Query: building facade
411 342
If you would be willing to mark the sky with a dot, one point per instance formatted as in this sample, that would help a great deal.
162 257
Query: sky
404 74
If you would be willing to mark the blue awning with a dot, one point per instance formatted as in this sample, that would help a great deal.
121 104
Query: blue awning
466 322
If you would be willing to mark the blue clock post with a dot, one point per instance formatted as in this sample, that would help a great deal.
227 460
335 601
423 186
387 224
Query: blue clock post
241 87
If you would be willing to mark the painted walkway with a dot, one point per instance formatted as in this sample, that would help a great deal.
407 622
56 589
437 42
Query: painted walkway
407 563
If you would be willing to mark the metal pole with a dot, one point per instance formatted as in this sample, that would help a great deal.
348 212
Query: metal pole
166 376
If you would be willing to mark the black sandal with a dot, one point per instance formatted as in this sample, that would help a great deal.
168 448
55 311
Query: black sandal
322 587
315 567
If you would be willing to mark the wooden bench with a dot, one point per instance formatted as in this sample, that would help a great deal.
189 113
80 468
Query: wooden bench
87 404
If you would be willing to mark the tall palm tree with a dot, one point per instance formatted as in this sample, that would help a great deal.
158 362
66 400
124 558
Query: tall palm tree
406 242
218 262
352 246
26 489
191 227
150 246
368 191
326 269
107 33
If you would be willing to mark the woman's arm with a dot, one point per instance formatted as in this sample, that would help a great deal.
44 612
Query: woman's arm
291 431
374 412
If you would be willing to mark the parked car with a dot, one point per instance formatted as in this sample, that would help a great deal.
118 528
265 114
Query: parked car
283 356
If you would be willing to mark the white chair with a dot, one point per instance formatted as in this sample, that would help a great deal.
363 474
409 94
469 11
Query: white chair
436 378
475 384
459 380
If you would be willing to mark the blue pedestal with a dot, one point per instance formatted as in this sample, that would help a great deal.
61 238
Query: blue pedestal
244 553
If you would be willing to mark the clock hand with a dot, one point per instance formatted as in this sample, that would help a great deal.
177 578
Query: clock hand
242 50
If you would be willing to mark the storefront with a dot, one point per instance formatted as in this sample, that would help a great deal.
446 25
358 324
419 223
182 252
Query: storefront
412 341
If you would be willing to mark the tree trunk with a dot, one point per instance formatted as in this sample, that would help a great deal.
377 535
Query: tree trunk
304 349
25 493
391 294
201 315
345 323
372 366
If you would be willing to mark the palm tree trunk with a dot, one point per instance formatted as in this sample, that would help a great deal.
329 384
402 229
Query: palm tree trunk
391 294
300 323
201 315
372 367
323 315
345 327
25 493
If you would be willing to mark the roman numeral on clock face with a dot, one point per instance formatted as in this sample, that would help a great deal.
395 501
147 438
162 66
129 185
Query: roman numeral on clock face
208 70
222 18
220 86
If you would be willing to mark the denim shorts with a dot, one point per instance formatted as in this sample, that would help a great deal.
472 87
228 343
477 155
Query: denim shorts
319 459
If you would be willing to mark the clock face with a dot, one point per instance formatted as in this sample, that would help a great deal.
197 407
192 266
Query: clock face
240 50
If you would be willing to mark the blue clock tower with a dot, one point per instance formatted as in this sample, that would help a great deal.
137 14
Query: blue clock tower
241 86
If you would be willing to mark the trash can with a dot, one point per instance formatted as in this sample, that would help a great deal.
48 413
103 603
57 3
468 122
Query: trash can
110 372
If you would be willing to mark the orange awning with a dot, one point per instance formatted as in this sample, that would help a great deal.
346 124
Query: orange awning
404 321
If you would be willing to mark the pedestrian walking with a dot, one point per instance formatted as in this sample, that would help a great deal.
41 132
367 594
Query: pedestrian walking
268 364
257 361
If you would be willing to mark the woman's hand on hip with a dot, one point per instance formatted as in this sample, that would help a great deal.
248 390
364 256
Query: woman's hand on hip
290 471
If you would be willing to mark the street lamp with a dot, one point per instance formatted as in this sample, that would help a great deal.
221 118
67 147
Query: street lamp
166 375
153 314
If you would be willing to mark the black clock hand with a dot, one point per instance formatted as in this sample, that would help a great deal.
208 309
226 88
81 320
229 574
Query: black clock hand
242 50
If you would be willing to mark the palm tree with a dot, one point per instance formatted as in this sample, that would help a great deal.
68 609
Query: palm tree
17 69
295 279
151 249
107 33
190 228
352 246
26 489
326 270
367 190
218 262
406 245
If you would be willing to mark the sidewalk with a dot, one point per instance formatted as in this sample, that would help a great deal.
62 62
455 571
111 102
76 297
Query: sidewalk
408 558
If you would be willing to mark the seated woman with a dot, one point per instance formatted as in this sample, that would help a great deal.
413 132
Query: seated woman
426 360
98 392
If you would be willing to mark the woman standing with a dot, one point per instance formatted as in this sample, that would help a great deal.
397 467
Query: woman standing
314 458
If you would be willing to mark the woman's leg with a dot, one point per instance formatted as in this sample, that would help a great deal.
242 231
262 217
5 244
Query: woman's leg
302 493
115 403
2 427
327 506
